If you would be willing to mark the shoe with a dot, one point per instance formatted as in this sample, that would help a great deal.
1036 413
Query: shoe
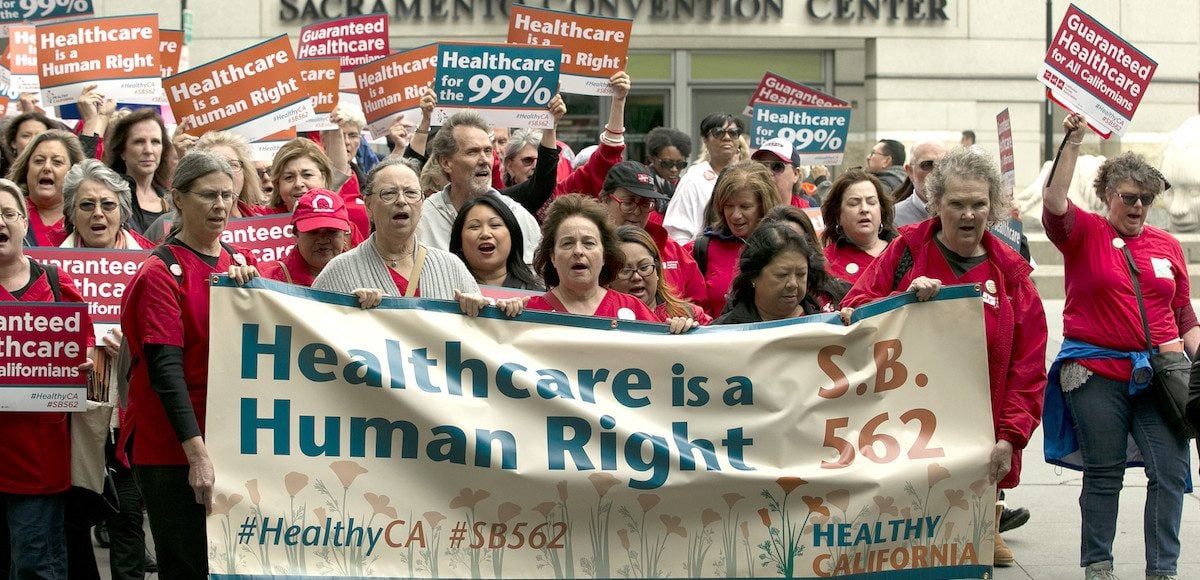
1099 571
1002 557
1011 519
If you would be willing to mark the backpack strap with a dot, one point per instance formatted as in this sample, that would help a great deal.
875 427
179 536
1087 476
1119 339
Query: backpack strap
164 253
902 267
286 274
700 253
52 278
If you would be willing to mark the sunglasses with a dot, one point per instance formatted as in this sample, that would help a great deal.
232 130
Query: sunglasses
776 167
1131 199
667 164
732 133
926 165
108 206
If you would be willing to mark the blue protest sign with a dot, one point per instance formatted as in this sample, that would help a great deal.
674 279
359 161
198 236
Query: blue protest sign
509 85
818 134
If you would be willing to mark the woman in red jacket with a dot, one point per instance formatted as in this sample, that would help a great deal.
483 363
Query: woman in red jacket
165 319
955 247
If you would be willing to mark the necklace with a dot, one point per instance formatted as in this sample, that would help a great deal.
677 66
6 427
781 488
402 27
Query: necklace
392 262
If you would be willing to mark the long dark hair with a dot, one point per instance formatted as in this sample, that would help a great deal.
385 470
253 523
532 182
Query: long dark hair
114 145
770 239
831 208
515 262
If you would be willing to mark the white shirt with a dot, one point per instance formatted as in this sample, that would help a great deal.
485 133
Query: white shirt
438 214
684 219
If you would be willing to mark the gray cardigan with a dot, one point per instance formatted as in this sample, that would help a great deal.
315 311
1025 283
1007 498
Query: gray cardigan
363 267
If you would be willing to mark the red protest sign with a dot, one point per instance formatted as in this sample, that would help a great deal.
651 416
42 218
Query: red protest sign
356 40
170 45
1090 69
42 346
391 86
100 275
1008 167
320 77
118 53
594 48
268 237
778 90
253 92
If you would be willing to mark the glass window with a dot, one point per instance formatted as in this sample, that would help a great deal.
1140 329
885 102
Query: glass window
649 66
743 65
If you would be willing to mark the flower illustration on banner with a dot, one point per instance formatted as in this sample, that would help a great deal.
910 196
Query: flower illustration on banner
886 505
979 487
429 554
467 498
320 513
789 484
700 542
252 489
379 505
729 526
264 552
765 516
815 505
295 482
647 501
645 556
603 482
732 498
507 511
957 499
544 508
784 545
347 471
221 505
562 490
623 536
937 474
599 565
673 525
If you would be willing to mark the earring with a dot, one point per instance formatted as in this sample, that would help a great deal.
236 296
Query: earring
837 230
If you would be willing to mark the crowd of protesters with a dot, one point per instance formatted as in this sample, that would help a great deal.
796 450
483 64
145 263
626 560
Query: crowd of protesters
720 239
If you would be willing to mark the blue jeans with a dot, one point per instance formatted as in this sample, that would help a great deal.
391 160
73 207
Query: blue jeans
1105 415
36 535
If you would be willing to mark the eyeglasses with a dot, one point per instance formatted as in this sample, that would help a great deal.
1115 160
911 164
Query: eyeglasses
643 270
264 173
926 165
667 164
776 167
731 132
12 217
108 206
390 195
211 197
874 153
528 161
1131 199
634 204
235 165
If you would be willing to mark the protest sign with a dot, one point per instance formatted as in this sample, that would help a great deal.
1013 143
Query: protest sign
119 54
264 148
1091 70
13 12
170 44
817 133
776 89
41 346
391 87
355 40
253 92
320 78
509 85
1008 168
268 237
22 58
100 275
411 441
593 48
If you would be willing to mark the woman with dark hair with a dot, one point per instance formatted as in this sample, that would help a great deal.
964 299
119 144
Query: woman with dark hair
720 134
482 238
578 257
40 171
861 215
137 148
19 131
827 289
667 152
773 277
642 277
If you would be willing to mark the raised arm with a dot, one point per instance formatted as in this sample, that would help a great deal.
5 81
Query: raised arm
1054 195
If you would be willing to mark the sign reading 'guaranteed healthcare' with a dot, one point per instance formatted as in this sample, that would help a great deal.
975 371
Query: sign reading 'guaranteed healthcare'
817 133
412 441
776 89
41 348
594 48
355 40
509 85
1091 70
100 275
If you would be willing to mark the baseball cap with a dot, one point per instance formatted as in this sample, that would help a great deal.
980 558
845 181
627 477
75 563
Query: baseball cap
320 208
634 178
781 148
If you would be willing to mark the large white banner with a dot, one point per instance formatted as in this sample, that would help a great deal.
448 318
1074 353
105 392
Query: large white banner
411 441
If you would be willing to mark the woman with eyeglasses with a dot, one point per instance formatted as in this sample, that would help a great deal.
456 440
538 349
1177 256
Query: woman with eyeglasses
579 257
955 247
667 151
642 277
861 214
481 237
1098 399
164 315
95 208
392 262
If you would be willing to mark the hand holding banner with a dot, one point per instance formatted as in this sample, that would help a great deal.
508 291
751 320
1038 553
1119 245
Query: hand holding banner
118 53
391 87
594 48
253 92
817 133
509 85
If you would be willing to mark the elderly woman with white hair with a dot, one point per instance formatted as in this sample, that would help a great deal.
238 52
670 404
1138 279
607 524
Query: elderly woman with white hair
955 247
96 208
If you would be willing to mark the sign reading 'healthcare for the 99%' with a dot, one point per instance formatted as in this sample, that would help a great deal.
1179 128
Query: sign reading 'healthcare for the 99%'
818 133
509 85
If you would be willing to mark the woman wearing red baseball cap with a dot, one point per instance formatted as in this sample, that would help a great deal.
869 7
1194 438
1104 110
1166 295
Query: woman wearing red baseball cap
322 228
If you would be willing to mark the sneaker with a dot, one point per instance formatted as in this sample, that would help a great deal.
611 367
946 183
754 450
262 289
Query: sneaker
1099 571
1011 519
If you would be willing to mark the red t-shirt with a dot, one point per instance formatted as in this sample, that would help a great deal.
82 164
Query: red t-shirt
846 261
47 235
615 304
356 210
698 314
36 455
402 283
1101 307
291 269
679 267
158 310
722 268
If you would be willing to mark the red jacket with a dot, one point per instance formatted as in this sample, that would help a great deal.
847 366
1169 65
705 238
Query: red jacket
679 268
722 268
1016 325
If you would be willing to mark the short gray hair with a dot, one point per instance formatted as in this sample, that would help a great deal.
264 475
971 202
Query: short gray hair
444 144
389 161
99 173
197 164
968 164
520 139
1128 166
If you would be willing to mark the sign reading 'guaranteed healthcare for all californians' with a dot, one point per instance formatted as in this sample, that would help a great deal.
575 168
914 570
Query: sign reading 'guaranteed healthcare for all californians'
411 441
508 84
41 348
